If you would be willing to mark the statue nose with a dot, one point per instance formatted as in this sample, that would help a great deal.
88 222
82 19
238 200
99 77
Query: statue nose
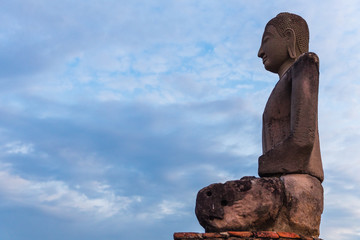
261 53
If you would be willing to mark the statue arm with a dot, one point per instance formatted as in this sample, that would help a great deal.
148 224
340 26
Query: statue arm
292 154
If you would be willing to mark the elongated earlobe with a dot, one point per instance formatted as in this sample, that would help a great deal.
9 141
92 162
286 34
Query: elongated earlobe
291 42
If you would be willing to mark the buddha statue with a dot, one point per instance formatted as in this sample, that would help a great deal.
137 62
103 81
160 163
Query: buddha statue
288 196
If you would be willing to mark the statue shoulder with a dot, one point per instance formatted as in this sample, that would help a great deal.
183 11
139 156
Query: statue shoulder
307 59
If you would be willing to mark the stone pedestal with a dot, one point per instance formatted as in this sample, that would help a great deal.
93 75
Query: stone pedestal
290 203
241 235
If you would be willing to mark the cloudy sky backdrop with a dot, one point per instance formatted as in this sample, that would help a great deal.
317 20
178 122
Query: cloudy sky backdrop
115 113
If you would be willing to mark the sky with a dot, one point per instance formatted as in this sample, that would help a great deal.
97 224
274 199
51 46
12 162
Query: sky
114 113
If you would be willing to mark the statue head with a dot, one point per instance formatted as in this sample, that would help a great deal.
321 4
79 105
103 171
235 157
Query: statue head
285 38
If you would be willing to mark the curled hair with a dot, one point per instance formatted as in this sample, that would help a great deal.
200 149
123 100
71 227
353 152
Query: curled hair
287 20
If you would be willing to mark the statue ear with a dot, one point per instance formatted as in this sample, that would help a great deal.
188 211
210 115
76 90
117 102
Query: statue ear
291 42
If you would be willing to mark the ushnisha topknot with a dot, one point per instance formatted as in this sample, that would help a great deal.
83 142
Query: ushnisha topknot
287 20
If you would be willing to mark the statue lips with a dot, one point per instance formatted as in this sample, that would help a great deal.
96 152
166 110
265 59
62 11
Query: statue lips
264 59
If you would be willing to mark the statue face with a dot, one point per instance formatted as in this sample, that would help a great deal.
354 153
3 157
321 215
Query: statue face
273 50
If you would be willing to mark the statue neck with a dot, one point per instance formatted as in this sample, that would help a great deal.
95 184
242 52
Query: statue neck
285 66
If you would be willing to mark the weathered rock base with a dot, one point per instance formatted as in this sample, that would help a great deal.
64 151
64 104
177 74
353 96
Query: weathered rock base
241 235
290 203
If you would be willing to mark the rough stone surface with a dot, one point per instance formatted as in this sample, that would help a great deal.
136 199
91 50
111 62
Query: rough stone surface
243 235
267 234
288 235
213 235
187 235
303 205
246 204
293 202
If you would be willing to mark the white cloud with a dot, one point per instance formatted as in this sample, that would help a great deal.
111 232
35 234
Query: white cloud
165 208
343 233
213 173
170 208
106 96
59 198
240 143
18 147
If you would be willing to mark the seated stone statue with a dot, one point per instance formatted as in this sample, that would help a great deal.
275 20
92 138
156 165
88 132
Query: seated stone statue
288 196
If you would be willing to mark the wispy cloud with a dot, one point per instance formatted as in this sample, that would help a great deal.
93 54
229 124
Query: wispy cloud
59 198
18 147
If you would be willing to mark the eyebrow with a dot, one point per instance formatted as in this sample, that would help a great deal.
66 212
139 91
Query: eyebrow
267 34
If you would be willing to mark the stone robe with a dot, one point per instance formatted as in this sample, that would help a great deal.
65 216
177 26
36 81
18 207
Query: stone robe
290 136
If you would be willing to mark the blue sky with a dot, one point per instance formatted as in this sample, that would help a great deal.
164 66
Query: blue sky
115 113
